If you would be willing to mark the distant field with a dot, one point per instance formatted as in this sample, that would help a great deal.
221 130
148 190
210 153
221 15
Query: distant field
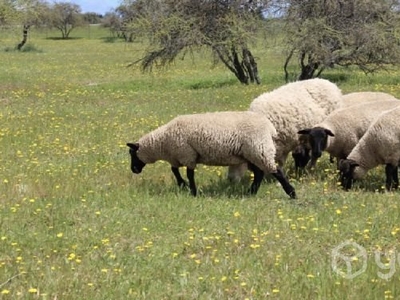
77 224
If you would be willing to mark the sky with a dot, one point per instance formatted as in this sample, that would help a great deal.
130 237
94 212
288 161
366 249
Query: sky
97 6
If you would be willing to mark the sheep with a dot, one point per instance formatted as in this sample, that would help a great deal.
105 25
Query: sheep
356 98
340 131
291 107
219 138
379 145
301 154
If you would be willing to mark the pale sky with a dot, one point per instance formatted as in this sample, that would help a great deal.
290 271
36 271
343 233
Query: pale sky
97 6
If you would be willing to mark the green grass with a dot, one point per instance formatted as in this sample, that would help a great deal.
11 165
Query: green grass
75 223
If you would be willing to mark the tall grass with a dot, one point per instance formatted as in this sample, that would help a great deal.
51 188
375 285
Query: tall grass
76 224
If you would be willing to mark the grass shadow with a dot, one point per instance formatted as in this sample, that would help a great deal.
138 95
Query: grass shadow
111 39
209 84
337 78
55 38
26 48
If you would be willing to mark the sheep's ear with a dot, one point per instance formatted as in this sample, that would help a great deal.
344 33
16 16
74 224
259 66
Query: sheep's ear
304 131
328 132
349 162
342 162
133 146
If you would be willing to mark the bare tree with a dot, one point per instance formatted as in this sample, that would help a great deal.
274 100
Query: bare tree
92 18
325 33
176 27
113 22
65 16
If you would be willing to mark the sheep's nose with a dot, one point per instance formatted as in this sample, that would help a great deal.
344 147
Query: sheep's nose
317 154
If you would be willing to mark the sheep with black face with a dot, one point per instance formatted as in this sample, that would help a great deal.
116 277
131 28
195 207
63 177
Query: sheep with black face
340 132
301 154
291 107
379 145
219 139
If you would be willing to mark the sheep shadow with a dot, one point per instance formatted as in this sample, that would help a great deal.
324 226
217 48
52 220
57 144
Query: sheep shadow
224 187
372 182
218 187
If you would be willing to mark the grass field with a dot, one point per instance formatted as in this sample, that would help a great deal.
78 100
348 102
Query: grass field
77 224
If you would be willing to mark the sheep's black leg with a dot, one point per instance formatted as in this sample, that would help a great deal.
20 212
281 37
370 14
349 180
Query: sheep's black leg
288 188
396 178
179 179
258 177
312 162
192 185
391 177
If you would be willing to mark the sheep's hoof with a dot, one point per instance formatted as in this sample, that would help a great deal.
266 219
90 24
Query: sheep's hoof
292 194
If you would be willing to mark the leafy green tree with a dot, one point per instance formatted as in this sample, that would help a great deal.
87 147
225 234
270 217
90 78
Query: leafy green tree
326 33
23 14
8 12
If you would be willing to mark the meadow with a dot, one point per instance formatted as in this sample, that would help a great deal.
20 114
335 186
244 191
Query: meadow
75 223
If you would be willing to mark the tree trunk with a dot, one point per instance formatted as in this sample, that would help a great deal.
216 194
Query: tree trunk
250 65
307 69
307 72
285 67
239 70
24 37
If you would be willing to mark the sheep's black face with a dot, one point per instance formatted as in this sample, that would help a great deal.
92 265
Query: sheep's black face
301 156
136 164
346 171
318 139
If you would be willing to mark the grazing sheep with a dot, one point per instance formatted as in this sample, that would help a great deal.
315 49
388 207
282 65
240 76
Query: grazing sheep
220 139
301 154
379 145
340 131
291 107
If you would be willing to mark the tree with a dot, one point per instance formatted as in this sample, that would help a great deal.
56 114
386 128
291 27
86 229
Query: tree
92 18
65 17
113 22
176 27
34 13
126 13
23 14
325 33
8 12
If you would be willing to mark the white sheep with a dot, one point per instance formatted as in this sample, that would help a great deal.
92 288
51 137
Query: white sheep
379 145
219 138
292 107
340 131
301 154
356 98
